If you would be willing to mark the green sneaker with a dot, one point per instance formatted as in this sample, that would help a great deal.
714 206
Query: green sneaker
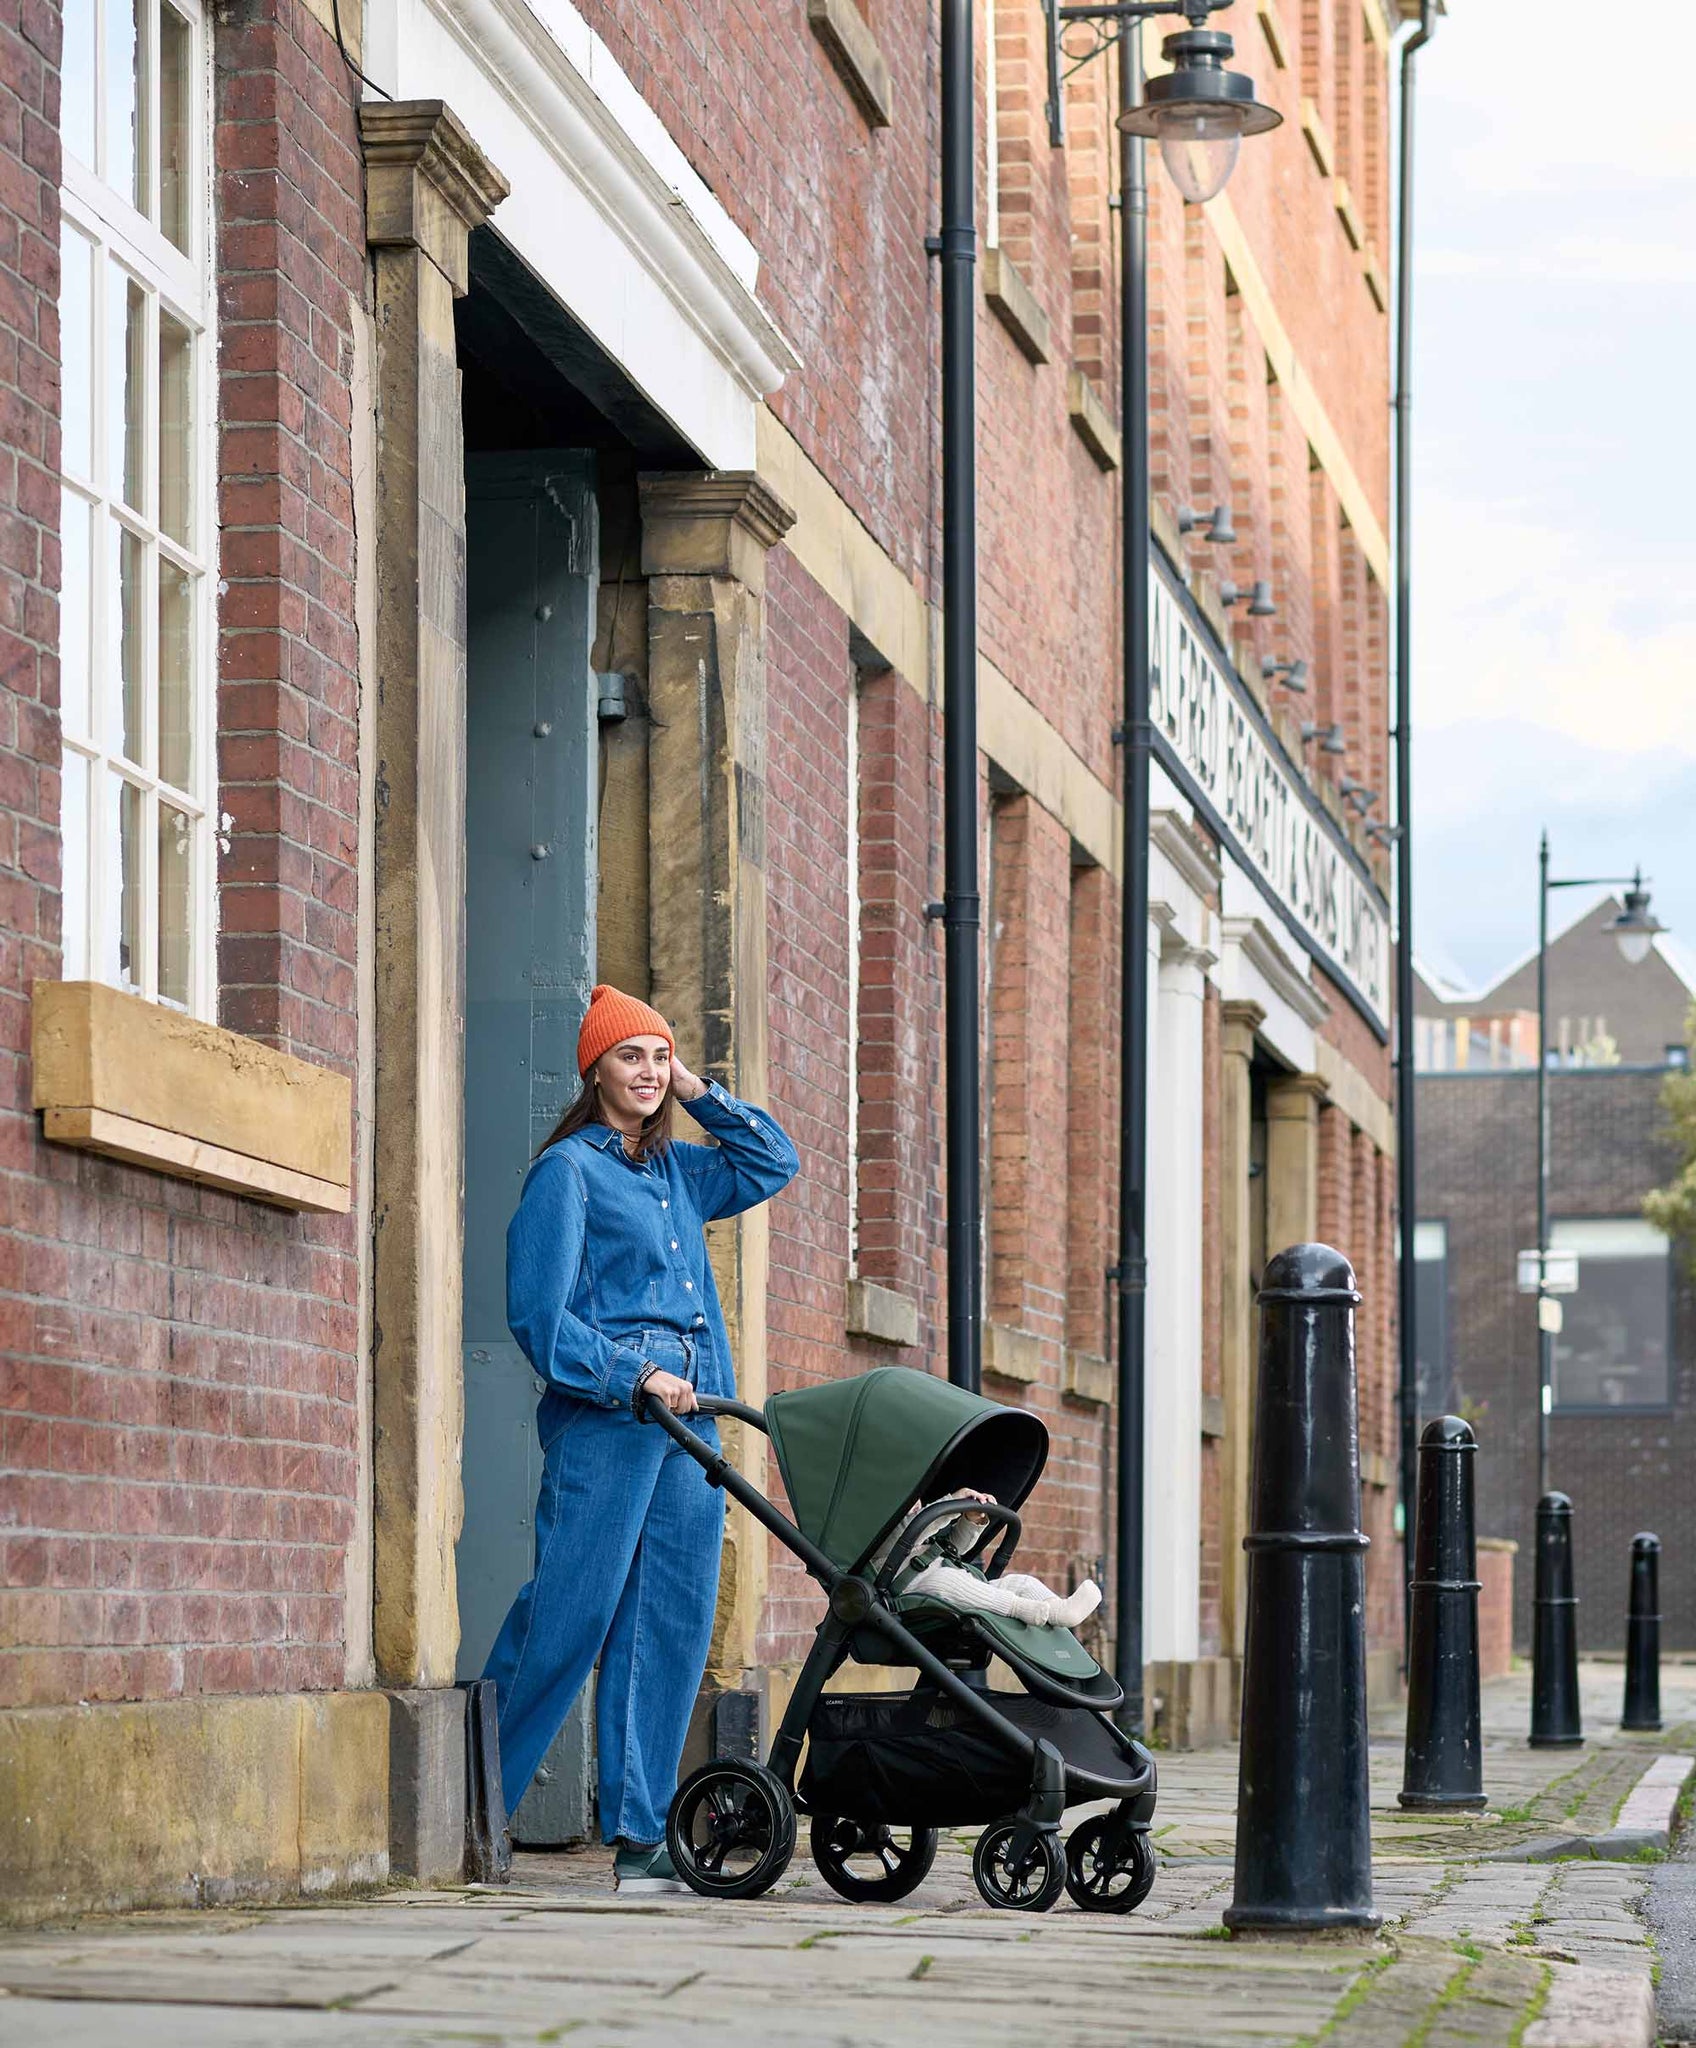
635 1869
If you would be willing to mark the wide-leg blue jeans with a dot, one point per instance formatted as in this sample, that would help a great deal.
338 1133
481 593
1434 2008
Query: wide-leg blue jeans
628 1534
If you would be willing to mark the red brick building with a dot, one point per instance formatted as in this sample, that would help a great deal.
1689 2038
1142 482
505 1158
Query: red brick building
470 525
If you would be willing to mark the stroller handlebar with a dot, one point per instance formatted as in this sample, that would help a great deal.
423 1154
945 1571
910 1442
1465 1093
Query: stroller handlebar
653 1409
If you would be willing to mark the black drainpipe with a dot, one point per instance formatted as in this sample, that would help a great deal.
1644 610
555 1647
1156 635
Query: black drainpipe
957 246
1406 1190
1131 1274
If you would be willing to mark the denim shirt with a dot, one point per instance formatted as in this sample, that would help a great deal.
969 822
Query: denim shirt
605 1248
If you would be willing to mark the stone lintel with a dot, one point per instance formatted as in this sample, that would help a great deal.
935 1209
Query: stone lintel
427 184
719 523
847 35
1015 304
1012 1354
1090 1377
884 1314
1092 422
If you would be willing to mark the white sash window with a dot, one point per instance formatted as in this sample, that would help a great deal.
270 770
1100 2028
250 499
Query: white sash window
138 509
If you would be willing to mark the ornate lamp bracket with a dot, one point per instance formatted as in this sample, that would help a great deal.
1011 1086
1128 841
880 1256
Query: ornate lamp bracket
1076 36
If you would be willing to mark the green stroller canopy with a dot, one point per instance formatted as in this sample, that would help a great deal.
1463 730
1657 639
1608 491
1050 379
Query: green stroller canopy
855 1454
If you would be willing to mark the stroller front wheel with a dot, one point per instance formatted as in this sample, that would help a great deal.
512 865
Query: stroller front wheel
731 1829
1101 1882
866 1861
1018 1867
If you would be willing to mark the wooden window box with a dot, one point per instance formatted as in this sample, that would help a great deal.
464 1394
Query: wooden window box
140 1082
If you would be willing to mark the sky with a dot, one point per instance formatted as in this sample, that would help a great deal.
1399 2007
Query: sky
1554 470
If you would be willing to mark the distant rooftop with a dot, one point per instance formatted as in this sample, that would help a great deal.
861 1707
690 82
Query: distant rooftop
1602 1011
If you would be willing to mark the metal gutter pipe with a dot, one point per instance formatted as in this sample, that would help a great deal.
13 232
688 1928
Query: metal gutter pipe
957 247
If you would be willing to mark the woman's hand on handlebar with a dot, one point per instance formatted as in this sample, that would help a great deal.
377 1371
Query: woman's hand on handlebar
677 1394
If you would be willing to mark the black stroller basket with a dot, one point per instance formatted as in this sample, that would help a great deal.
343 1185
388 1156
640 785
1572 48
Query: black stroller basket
884 1771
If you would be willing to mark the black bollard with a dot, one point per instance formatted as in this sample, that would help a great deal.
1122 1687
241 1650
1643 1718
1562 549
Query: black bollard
1555 1719
1444 1758
1304 1839
1643 1636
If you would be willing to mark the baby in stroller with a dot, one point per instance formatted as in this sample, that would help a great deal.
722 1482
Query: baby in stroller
938 1568
880 1773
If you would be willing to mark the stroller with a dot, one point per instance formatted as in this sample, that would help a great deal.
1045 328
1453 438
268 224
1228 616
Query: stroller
885 1771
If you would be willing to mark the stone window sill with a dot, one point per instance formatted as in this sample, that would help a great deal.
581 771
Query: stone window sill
145 1084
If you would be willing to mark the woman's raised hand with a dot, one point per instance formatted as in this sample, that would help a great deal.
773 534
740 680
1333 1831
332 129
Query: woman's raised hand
685 1085
677 1394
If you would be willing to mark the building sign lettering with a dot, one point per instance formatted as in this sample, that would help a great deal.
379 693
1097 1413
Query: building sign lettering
1210 735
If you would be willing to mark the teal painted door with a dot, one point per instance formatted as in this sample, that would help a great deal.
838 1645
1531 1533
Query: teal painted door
531 775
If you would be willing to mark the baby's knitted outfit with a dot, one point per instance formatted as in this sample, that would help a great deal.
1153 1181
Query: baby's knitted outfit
1016 1594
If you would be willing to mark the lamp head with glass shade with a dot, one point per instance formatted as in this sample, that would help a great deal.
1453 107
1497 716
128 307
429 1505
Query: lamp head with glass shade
1199 113
1636 925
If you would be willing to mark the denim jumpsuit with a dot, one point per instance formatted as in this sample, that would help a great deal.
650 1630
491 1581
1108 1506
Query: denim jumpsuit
606 1271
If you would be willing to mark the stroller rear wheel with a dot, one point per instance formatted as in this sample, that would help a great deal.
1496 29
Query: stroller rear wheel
1018 1866
731 1829
1100 1881
868 1862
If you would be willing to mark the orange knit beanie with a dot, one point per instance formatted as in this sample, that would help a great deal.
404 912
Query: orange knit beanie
612 1018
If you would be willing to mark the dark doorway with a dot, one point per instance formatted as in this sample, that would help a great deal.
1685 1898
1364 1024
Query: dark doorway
531 764
555 436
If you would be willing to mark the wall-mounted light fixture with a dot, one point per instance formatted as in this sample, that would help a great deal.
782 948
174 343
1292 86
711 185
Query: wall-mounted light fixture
1357 794
1294 673
1219 530
1385 835
1330 737
1258 593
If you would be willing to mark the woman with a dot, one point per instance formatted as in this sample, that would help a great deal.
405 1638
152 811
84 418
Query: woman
611 1298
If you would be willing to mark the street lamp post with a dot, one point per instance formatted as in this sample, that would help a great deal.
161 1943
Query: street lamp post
1634 928
1198 112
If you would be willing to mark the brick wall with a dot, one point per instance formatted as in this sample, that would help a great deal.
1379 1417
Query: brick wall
838 211
291 253
1627 1470
179 1388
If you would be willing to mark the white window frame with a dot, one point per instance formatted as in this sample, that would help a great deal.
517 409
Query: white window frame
184 286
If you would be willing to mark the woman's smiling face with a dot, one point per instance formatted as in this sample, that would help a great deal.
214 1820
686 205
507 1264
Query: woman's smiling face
633 1078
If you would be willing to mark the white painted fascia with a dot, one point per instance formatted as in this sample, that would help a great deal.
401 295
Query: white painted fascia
604 207
1256 966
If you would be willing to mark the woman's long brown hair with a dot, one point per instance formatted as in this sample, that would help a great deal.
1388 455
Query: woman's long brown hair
649 1142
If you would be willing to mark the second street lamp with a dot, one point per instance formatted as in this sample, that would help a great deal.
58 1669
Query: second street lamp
1634 927
1202 111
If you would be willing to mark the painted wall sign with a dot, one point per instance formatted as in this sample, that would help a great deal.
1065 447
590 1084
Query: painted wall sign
1212 737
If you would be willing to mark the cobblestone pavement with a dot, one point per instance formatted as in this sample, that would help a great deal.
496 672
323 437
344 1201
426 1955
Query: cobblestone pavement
1523 1954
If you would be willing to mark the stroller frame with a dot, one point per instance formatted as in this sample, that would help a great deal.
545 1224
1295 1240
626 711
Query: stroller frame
860 1614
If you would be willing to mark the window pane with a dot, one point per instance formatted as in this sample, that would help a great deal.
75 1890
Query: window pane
76 91
75 593
125 57
73 828
1612 1348
127 883
76 339
1434 1381
176 898
176 466
132 656
125 372
176 674
176 127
